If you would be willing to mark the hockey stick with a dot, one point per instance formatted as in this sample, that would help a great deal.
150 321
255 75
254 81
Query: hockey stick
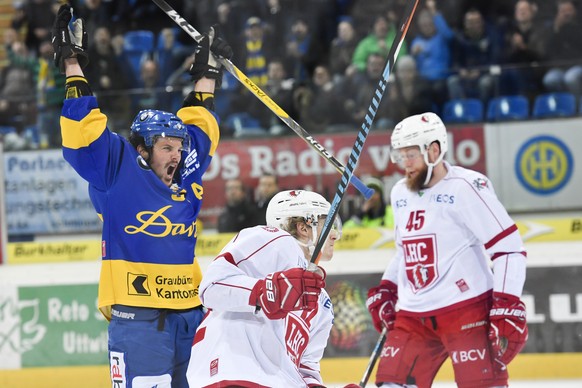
348 172
374 357
265 99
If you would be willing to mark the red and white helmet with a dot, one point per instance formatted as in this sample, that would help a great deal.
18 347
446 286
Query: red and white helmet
308 205
296 203
421 131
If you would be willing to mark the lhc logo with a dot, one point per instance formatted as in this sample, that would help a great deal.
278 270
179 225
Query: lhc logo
544 165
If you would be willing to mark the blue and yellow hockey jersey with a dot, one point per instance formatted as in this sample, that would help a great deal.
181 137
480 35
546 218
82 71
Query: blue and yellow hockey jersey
149 230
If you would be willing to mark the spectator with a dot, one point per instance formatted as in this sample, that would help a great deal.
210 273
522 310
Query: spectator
280 89
276 24
266 189
106 75
95 14
151 94
170 53
239 212
317 104
524 47
50 87
365 13
564 51
9 37
226 20
373 212
431 49
342 50
408 92
378 41
35 18
359 91
17 97
474 50
253 51
303 51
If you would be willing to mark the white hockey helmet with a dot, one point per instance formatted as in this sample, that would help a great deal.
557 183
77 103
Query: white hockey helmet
304 204
419 130
296 203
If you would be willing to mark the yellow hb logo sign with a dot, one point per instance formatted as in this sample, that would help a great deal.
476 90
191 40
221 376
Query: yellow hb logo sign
544 165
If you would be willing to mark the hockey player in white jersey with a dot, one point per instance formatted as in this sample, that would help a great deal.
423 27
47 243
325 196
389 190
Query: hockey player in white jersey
269 317
453 288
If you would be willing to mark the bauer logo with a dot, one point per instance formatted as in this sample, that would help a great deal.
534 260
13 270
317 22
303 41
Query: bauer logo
544 165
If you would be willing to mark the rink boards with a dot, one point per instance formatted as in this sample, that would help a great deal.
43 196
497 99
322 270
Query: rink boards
51 331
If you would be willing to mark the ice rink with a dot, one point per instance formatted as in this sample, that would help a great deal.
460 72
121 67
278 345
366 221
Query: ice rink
527 384
512 384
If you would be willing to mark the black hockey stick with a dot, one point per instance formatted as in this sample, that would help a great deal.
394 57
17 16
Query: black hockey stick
374 357
348 172
265 99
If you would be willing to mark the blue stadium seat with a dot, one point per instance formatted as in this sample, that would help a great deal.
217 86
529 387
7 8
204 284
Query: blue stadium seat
507 108
5 129
468 110
560 104
245 126
138 40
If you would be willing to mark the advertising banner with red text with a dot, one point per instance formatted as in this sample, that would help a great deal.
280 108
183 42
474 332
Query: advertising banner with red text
44 195
297 165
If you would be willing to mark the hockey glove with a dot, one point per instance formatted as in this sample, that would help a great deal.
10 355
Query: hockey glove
381 304
67 42
508 327
285 291
210 49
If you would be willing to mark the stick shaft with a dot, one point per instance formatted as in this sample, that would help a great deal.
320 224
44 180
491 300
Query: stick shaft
348 172
374 357
265 99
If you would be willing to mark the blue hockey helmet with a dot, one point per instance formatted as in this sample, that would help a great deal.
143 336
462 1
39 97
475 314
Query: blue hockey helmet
151 123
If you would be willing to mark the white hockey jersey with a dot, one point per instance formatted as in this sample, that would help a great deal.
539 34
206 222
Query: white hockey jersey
234 344
446 237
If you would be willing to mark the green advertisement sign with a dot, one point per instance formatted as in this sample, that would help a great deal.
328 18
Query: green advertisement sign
61 325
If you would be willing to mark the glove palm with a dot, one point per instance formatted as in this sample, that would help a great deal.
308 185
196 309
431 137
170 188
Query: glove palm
67 42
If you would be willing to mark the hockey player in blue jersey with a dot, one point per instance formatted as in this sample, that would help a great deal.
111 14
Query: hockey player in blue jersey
148 191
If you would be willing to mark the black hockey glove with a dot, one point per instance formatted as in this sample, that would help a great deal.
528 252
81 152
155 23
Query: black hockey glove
210 49
67 42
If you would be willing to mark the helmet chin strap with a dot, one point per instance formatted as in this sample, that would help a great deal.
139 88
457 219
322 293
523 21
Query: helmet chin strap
428 174
430 167
310 244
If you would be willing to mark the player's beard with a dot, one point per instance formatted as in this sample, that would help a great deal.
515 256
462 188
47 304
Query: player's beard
416 183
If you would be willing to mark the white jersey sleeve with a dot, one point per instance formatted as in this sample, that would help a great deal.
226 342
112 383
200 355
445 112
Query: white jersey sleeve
485 216
249 256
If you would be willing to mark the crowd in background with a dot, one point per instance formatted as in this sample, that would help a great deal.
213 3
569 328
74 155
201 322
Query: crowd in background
319 60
